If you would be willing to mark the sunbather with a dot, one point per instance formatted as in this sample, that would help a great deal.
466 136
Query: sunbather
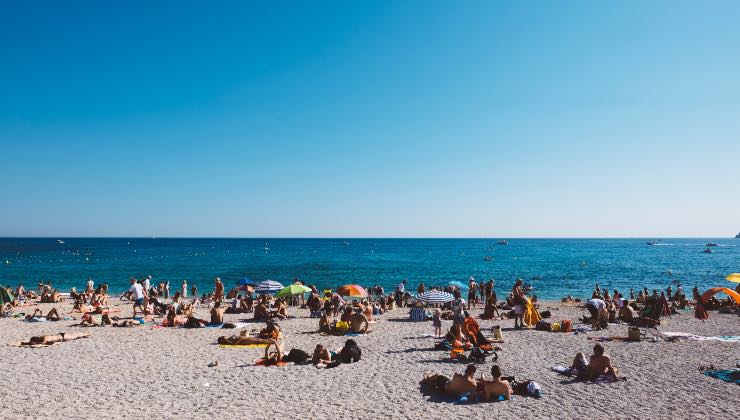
498 389
243 339
598 365
321 355
462 384
217 313
358 322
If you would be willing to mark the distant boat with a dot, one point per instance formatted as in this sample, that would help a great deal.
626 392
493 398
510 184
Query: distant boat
60 241
503 242
488 258
737 236
707 251
653 242
711 244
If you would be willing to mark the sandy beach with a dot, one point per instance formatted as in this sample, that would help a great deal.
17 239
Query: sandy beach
164 373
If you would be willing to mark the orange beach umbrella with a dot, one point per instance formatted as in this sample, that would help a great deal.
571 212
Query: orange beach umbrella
733 294
352 290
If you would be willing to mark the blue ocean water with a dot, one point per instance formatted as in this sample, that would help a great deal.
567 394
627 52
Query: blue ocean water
555 267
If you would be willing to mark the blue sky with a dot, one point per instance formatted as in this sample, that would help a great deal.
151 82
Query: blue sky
341 119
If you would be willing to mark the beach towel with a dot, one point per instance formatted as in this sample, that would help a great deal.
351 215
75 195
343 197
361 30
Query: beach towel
530 313
687 336
731 375
603 379
261 362
242 346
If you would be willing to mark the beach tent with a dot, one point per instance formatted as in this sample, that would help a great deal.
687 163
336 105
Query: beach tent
734 277
714 290
435 296
268 286
6 296
352 290
292 290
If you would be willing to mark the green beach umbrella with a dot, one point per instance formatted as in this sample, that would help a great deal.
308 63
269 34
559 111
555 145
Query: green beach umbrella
292 290
6 296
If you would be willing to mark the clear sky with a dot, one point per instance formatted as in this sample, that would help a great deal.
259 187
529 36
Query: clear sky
344 119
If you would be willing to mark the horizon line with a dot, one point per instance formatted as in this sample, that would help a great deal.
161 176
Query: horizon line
366 237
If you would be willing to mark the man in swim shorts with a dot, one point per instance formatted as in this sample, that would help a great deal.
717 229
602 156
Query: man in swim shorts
137 292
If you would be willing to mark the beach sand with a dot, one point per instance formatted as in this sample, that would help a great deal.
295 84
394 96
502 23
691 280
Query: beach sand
163 373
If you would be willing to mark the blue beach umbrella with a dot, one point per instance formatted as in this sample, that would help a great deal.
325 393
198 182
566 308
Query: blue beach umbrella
268 286
247 282
459 285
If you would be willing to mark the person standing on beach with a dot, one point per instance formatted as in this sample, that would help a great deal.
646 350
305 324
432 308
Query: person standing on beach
518 300
184 290
147 284
459 307
167 290
137 292
218 290
194 291
472 292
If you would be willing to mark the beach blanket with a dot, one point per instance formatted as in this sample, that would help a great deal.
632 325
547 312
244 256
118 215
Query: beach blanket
687 336
603 379
731 375
242 346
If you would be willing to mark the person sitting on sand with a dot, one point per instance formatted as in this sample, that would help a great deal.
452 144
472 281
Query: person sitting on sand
172 317
217 313
321 355
598 364
324 325
627 313
368 312
346 315
358 322
282 309
261 312
462 384
579 364
498 389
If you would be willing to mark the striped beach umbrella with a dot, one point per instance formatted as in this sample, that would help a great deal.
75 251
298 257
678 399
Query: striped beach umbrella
435 296
352 290
268 286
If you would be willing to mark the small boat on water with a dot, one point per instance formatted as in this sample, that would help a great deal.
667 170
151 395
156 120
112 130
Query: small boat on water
488 258
503 242
61 242
711 244
737 236
651 243
707 251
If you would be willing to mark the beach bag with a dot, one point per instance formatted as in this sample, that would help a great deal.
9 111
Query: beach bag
633 333
566 325
555 327
545 314
296 356
543 326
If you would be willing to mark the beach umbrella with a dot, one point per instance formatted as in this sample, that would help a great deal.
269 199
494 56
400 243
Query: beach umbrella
247 282
246 288
352 290
292 290
731 293
734 277
268 286
435 296
6 296
458 284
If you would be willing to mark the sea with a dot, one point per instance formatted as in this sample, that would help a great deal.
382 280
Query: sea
554 267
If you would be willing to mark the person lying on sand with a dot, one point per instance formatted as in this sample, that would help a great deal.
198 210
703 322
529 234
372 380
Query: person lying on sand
53 315
243 339
496 390
350 353
53 338
598 365
321 355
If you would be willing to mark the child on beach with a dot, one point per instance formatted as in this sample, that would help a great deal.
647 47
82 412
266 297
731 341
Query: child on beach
437 322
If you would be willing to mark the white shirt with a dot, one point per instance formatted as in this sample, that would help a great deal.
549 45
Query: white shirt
401 287
137 290
146 283
184 290
90 284
598 303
